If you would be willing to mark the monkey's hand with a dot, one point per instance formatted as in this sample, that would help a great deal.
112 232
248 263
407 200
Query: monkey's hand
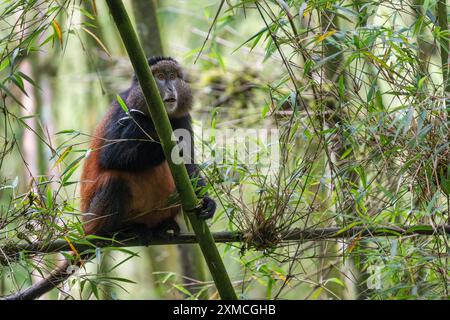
206 208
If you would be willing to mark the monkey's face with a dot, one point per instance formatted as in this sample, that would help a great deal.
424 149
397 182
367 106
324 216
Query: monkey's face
174 91
167 88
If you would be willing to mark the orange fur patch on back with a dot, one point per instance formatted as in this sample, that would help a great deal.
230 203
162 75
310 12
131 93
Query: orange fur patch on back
150 189
91 170
150 192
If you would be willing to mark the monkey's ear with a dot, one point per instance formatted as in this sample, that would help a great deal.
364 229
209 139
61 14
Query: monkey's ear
186 76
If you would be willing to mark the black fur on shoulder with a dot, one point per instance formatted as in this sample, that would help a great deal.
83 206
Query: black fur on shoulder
131 142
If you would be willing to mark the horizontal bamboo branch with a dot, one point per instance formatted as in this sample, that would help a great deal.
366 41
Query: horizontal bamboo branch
229 237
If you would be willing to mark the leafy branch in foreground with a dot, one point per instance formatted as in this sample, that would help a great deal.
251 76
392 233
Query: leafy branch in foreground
295 235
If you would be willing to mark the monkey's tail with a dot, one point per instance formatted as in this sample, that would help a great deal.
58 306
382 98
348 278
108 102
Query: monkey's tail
54 279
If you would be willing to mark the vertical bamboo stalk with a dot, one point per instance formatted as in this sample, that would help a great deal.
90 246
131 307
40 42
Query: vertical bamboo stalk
163 128
147 26
146 19
331 71
442 16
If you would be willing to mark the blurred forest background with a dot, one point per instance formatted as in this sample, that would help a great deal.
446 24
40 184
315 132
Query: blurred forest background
358 90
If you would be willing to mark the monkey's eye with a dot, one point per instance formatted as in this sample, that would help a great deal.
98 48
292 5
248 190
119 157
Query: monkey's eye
160 76
172 76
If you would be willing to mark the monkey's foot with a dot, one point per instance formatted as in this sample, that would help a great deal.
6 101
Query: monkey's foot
167 230
143 233
207 208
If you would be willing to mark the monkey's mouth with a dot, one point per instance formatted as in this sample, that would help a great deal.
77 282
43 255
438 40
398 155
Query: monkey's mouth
170 100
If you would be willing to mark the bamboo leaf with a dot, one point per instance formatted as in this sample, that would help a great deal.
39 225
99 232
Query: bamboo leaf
325 35
122 104
98 40
63 156
58 32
